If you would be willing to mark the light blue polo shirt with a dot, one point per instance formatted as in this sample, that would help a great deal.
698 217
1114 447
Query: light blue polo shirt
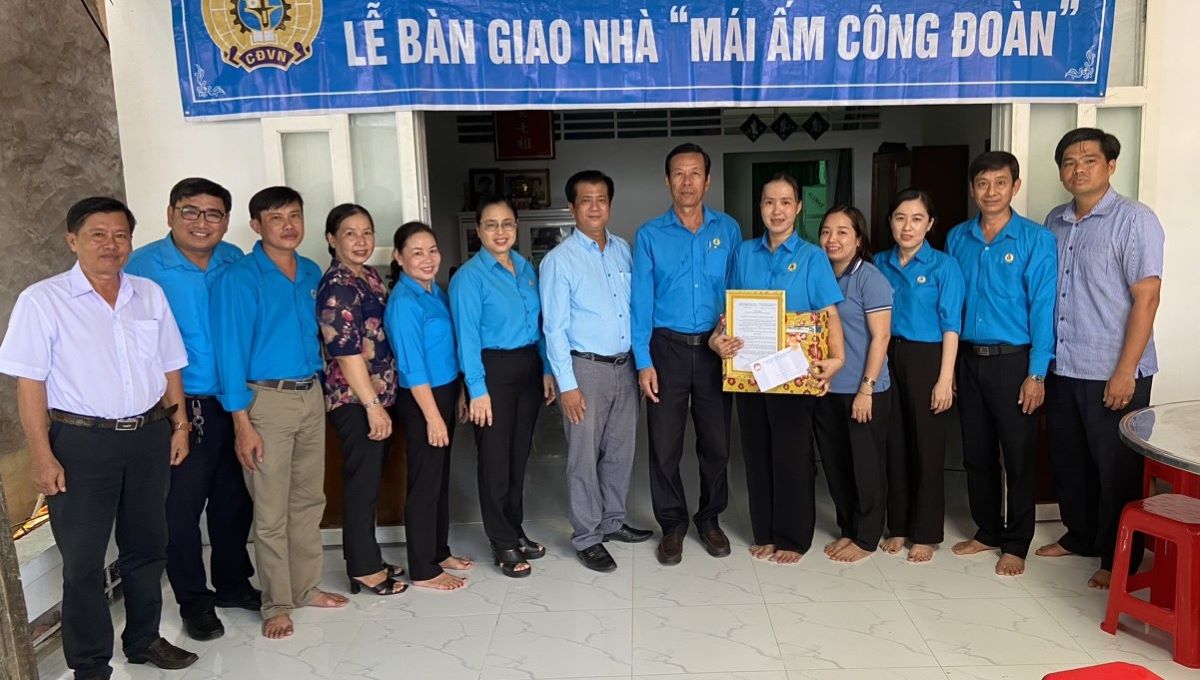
867 292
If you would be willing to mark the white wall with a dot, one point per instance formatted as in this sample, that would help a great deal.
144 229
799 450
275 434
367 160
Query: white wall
1174 199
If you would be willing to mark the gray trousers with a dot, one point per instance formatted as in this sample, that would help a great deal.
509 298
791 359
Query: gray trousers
600 449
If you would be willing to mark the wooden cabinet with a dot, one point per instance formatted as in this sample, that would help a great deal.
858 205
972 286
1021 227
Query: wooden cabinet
392 489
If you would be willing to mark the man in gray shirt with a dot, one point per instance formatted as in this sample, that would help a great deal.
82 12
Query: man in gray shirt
1110 261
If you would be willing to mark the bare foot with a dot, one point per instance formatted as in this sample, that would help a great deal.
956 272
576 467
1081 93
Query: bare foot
278 627
971 547
326 600
786 557
762 552
834 546
1100 579
1010 565
1052 550
893 545
920 553
459 563
443 581
849 553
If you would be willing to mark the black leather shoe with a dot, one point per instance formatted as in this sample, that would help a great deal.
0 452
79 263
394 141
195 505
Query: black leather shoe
715 542
627 534
165 655
596 558
203 626
670 549
250 601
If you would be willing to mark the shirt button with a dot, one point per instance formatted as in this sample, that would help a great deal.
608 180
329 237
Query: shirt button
1067 272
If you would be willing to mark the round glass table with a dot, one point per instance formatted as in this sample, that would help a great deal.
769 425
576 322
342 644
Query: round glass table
1167 433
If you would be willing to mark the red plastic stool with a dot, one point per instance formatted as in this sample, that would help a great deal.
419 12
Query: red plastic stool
1181 481
1172 518
1118 670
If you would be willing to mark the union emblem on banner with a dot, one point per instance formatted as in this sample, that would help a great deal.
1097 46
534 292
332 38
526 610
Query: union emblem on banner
254 34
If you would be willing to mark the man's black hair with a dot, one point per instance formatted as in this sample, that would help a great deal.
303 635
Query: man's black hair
78 213
273 198
588 177
688 147
1110 146
196 186
989 161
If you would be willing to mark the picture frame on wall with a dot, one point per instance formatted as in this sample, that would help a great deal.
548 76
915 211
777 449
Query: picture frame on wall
482 182
528 189
523 135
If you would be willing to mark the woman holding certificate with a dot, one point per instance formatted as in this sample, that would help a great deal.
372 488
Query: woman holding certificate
497 322
777 428
926 319
852 421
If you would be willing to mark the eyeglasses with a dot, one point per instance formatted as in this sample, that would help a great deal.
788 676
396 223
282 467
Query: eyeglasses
492 227
192 213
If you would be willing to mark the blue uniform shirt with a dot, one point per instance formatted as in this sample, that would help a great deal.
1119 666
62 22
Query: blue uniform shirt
585 301
928 293
264 325
679 277
494 309
797 267
187 288
867 292
422 337
1010 285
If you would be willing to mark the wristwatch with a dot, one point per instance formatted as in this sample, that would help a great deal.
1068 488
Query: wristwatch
869 382
1039 379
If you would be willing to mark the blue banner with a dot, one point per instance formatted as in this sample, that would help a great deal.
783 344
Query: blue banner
256 57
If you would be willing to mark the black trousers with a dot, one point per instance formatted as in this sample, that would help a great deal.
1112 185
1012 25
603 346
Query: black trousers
993 429
687 375
427 505
777 435
854 456
111 477
514 382
208 481
362 473
1095 473
916 448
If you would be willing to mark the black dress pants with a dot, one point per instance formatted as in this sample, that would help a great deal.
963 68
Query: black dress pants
687 375
994 428
777 432
208 481
1095 473
916 448
514 383
427 504
854 457
362 473
112 478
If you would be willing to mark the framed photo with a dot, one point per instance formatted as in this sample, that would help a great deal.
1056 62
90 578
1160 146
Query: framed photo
481 183
523 135
528 189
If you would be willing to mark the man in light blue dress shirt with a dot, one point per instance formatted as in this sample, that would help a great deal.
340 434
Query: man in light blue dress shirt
186 263
585 286
1110 262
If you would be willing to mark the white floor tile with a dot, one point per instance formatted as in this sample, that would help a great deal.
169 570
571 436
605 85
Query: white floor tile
946 576
707 639
855 635
1134 641
446 648
872 674
561 583
987 632
699 579
819 579
560 645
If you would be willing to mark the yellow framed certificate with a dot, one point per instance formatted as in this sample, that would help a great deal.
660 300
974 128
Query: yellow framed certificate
757 317
807 332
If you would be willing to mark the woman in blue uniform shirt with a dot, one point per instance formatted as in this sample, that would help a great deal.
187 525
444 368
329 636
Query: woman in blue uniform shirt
926 319
777 428
418 325
497 323
852 420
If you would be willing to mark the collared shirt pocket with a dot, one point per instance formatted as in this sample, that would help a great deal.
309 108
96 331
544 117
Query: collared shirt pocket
1006 270
145 342
716 261
1092 260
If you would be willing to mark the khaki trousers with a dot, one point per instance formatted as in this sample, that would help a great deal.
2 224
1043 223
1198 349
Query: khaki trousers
289 495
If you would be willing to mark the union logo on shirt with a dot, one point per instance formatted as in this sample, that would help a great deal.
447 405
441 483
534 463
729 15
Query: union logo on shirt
921 279
256 33
792 267
1009 258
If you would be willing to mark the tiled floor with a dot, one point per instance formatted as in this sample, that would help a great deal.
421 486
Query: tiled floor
714 619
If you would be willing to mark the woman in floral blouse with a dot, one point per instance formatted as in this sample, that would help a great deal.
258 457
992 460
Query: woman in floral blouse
360 387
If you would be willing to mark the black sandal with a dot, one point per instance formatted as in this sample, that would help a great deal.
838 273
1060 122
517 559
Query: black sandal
530 549
385 587
508 561
394 570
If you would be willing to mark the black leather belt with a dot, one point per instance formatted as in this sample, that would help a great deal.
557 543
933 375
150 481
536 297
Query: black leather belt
617 360
689 339
994 350
119 424
287 385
